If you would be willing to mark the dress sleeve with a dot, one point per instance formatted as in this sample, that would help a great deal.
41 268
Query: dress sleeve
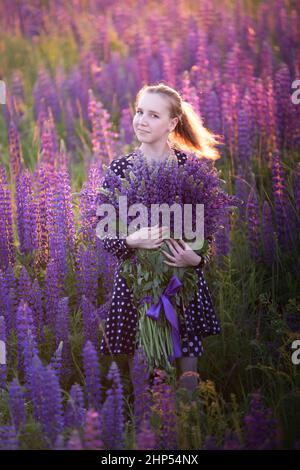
207 258
116 246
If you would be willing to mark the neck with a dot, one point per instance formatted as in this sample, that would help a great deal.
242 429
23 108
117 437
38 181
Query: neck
155 153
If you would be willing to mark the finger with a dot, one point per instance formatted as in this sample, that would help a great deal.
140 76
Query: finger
169 256
152 227
170 245
158 233
176 247
182 243
170 264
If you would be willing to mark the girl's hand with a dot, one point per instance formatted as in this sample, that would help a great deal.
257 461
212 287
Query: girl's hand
183 255
147 237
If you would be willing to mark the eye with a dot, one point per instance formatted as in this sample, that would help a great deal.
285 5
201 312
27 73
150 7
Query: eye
139 111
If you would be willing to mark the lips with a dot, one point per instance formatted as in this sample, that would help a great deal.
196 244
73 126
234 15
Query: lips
141 130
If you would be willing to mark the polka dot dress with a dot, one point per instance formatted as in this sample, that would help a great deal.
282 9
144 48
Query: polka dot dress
120 335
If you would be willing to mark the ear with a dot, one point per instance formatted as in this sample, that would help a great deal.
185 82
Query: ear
175 119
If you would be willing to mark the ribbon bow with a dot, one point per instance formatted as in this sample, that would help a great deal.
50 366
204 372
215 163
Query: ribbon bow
154 311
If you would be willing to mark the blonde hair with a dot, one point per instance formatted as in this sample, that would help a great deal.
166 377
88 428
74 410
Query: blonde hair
189 134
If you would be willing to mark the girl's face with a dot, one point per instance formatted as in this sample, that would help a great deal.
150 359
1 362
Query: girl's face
152 122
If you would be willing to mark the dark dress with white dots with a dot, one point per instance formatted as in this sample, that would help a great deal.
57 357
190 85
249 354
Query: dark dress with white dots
122 321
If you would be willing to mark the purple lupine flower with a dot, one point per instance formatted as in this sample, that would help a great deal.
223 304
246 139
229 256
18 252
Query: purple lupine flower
259 426
74 442
230 100
90 321
146 439
10 277
46 399
62 335
259 94
43 194
210 443
103 310
213 114
56 227
9 302
223 236
107 267
75 411
52 292
15 149
189 92
24 285
7 249
89 272
282 84
231 441
195 182
164 404
35 388
26 213
55 423
272 118
102 136
78 272
253 216
126 132
27 346
8 298
16 404
2 353
36 305
77 89
8 438
142 399
56 360
92 431
17 94
92 376
31 18
112 413
244 136
72 140
3 292
87 203
64 190
59 443
296 191
17 85
268 233
44 90
281 203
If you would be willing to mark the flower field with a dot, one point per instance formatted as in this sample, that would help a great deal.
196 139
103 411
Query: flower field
70 72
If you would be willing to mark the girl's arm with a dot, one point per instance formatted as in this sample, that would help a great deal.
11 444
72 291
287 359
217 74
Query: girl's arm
116 246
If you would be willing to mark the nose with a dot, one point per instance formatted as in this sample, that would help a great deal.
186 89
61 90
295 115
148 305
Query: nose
142 122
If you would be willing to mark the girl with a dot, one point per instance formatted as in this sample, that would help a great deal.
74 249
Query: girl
163 123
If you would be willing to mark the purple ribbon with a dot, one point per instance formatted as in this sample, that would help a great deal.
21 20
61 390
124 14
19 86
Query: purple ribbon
154 311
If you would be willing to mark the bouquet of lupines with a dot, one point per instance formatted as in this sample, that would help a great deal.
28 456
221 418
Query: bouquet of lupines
155 285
